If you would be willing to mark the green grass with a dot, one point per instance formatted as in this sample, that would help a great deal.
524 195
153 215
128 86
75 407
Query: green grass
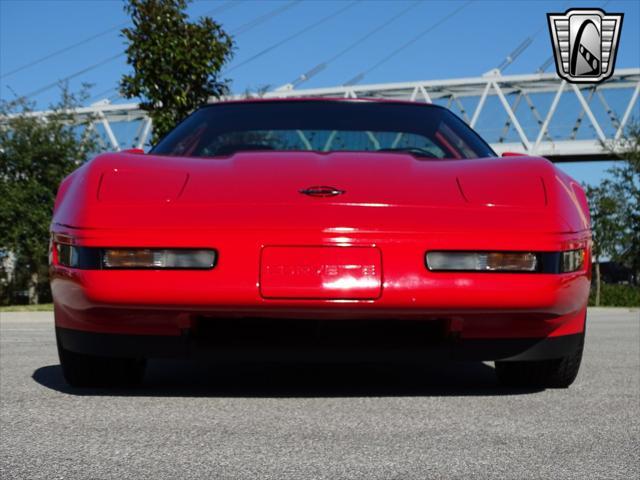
42 307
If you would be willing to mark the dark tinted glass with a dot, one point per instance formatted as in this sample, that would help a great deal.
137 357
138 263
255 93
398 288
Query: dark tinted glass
323 126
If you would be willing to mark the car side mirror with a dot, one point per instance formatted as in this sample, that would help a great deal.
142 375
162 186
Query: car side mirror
513 154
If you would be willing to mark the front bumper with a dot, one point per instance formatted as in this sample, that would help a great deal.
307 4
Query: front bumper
475 306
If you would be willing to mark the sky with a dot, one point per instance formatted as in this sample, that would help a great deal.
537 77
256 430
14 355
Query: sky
477 38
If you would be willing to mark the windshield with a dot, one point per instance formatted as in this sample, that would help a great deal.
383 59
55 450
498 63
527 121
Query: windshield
324 126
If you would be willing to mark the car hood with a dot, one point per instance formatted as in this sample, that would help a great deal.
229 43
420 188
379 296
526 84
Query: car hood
378 191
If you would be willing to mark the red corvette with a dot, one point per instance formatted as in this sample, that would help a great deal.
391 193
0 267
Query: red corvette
335 229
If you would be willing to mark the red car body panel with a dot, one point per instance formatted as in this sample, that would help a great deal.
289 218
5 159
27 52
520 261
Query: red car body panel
359 255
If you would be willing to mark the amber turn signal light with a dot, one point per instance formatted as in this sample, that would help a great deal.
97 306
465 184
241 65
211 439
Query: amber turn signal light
158 258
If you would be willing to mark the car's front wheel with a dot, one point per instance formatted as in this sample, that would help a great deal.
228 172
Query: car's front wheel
556 373
82 370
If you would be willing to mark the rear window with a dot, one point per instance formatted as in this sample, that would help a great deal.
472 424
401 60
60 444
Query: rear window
323 126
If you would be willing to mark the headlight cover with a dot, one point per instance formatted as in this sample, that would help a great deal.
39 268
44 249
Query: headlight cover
482 261
96 258
572 260
533 262
135 258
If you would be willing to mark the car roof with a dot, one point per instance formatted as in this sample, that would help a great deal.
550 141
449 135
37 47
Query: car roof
317 99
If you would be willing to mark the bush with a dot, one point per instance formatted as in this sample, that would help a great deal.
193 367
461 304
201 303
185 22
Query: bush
617 295
36 153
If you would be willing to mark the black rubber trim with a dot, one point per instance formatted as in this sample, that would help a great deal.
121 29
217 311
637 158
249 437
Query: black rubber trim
157 346
83 258
518 349
550 262
115 345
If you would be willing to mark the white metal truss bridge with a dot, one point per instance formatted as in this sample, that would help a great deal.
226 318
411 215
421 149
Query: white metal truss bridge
536 114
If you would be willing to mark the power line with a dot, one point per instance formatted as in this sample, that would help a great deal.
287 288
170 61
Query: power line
63 50
543 68
519 50
323 65
243 29
509 59
73 75
250 25
384 60
101 95
293 36
219 9
227 5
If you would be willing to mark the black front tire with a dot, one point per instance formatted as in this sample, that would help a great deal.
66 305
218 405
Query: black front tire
556 373
81 370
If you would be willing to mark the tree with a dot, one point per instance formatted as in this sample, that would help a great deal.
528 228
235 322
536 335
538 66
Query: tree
606 205
615 207
35 155
176 63
626 176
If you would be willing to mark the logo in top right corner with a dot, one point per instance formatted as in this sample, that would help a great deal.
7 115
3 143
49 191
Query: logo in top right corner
585 43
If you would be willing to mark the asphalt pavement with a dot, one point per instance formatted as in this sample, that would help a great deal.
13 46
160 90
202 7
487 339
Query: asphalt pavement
196 419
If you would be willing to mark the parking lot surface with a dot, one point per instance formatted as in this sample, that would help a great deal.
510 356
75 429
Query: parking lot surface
202 420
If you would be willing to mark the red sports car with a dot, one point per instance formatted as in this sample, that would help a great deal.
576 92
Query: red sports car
342 230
